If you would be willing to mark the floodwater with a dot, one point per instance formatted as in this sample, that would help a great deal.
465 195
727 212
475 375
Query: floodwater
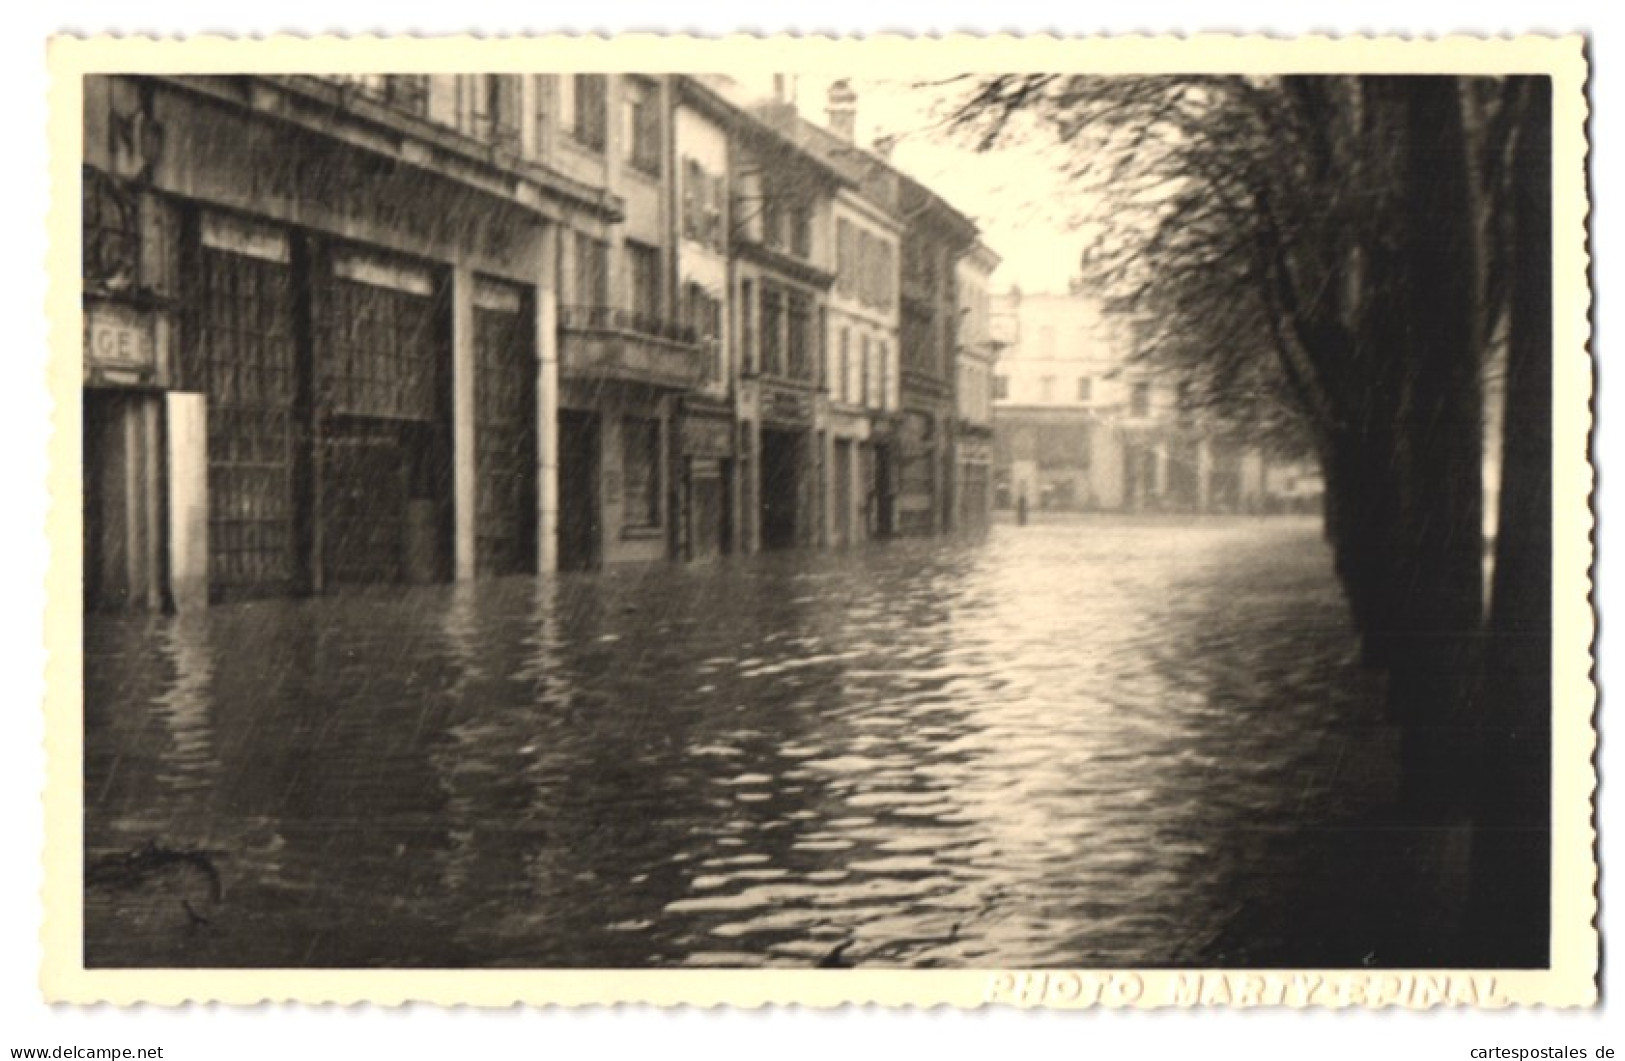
1090 742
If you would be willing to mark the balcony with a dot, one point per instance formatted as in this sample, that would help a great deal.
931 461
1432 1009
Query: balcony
616 345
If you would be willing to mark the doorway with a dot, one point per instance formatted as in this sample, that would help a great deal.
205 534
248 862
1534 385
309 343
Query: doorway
708 509
579 532
781 488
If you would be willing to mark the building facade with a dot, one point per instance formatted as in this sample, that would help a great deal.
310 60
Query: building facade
935 236
978 353
1078 425
783 265
860 402
318 334
708 472
413 328
627 356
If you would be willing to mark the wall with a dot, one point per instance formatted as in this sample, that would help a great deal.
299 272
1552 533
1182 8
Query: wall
702 140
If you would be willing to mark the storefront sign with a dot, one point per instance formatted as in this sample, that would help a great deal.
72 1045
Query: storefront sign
383 200
707 437
308 180
119 338
786 407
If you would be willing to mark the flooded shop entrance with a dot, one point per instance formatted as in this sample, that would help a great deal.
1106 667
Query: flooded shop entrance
384 511
579 440
504 429
783 474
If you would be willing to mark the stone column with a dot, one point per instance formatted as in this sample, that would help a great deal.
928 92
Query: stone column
547 407
187 470
462 420
1204 476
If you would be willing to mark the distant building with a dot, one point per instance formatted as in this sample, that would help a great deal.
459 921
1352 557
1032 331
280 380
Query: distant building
709 476
934 238
973 391
858 409
1080 426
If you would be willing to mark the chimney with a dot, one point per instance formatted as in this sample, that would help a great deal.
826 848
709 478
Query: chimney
842 110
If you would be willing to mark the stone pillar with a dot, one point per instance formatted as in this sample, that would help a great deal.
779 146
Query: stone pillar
751 472
1204 476
462 420
547 407
187 471
826 488
1251 487
121 471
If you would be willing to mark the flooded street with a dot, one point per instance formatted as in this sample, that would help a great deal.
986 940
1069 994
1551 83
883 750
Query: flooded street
1096 742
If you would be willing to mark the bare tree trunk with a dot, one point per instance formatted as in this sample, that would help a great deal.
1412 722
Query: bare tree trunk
1509 914
1440 457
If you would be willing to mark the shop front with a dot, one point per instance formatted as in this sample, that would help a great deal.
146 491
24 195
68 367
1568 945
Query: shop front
349 386
920 488
706 480
787 466
849 478
975 487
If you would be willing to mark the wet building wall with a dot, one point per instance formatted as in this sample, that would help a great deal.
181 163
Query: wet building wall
330 310
862 352
783 267
359 329
707 477
933 241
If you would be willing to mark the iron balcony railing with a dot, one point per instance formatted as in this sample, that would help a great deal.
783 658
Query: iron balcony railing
613 319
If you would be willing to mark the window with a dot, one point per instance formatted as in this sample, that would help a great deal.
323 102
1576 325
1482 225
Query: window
801 230
845 257
539 89
865 268
773 222
1046 341
1001 387
644 262
887 269
1085 387
691 177
864 362
801 336
591 271
821 348
495 109
642 129
640 453
844 366
702 312
747 327
1046 389
586 107
702 205
409 92
882 399
1140 400
772 331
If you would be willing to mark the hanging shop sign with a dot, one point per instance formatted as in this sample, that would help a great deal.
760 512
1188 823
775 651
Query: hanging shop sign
120 344
704 436
787 406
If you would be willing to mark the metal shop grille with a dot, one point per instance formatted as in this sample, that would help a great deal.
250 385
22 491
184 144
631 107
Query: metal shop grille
244 359
504 440
378 352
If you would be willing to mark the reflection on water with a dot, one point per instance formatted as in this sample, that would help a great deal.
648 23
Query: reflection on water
1066 744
